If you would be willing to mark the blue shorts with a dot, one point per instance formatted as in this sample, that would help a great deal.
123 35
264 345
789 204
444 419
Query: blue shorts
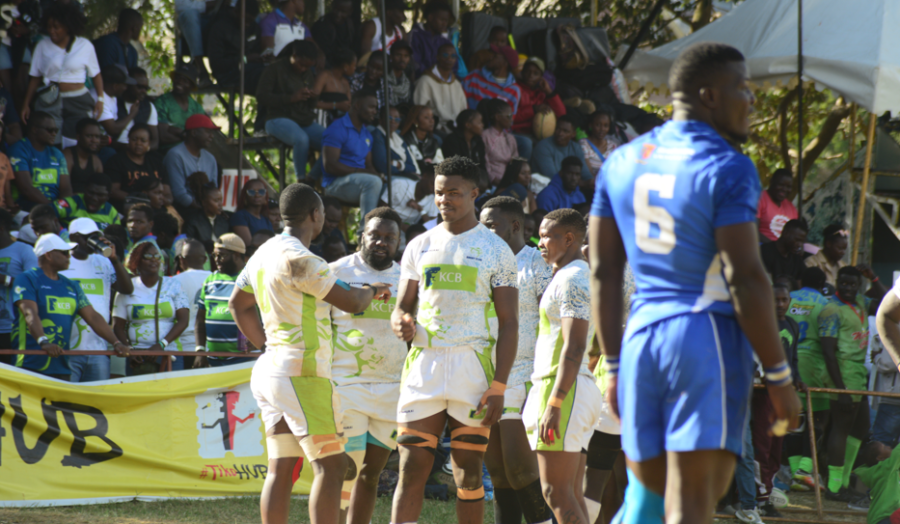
685 385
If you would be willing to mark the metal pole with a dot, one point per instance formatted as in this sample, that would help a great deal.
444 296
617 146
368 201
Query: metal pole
387 102
860 212
594 13
243 62
815 458
852 162
800 108
645 28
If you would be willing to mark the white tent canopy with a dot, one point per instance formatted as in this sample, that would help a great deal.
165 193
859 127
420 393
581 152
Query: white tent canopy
850 46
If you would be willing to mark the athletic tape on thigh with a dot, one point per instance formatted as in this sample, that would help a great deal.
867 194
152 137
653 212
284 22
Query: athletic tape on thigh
465 437
356 461
283 445
419 439
470 495
317 447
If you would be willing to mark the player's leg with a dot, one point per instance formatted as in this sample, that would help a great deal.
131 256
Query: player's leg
521 468
365 491
356 426
859 431
559 474
285 463
696 480
602 452
417 441
506 506
467 447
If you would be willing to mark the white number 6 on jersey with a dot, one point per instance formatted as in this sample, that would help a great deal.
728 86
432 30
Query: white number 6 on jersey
645 214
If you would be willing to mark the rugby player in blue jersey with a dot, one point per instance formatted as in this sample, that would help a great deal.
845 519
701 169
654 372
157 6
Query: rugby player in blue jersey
679 203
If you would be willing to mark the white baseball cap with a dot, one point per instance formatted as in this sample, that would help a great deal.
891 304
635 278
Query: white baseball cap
26 234
83 226
50 242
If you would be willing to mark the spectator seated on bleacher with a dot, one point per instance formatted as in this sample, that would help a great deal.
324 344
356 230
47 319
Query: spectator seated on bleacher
537 97
93 203
399 86
466 140
225 47
146 114
332 87
192 17
599 143
6 177
370 32
44 220
286 90
403 163
115 48
331 228
440 90
349 174
335 29
563 190
371 77
69 61
516 183
282 26
418 133
125 169
175 107
41 174
115 82
426 38
10 117
208 222
251 215
499 144
150 189
550 152
82 159
190 157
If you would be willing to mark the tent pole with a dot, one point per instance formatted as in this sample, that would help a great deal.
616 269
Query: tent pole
594 13
852 162
642 33
864 189
387 101
800 108
240 165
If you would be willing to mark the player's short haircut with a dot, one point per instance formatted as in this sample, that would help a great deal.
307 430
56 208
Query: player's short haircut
139 127
165 223
833 232
459 166
812 277
100 179
569 219
129 17
571 161
385 213
365 92
782 285
497 29
135 72
567 118
143 208
435 6
41 211
298 201
342 56
796 223
332 202
850 271
507 205
84 123
697 64
304 49
401 45
39 117
780 173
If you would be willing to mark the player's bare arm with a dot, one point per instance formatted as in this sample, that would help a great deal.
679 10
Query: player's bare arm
607 278
888 322
243 309
574 333
753 299
357 299
403 318
506 304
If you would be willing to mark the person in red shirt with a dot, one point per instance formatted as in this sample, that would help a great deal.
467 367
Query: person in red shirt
537 97
774 209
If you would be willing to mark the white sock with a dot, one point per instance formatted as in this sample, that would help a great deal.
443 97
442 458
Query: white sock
593 508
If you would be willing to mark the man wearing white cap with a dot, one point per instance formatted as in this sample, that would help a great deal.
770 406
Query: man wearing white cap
97 275
46 304
216 329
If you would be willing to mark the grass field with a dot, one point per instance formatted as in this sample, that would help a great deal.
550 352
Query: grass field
246 511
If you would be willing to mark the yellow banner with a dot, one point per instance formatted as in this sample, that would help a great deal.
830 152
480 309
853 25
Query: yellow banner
195 433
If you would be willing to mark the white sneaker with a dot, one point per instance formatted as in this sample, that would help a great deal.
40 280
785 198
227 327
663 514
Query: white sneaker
749 515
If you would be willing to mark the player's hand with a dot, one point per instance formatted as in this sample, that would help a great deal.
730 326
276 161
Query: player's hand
612 396
156 347
404 327
866 271
122 350
549 428
200 362
786 405
53 350
491 404
382 292
800 386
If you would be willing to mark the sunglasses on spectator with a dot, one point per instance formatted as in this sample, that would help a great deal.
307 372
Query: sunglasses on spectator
152 256
256 192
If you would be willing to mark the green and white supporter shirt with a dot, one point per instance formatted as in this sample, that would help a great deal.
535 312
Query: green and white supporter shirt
221 329
567 296
96 276
138 310
533 278
365 348
289 282
456 275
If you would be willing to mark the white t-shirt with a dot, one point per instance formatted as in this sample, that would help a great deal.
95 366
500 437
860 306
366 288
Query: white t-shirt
138 310
456 275
54 64
96 276
152 121
567 296
533 278
110 108
366 349
289 282
191 282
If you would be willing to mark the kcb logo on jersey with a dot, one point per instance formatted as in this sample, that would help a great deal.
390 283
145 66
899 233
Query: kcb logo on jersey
800 311
379 310
60 305
451 277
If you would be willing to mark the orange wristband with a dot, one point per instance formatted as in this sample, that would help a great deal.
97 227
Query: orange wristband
500 386
555 402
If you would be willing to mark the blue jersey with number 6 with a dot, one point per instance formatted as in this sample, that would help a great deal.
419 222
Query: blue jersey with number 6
668 191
